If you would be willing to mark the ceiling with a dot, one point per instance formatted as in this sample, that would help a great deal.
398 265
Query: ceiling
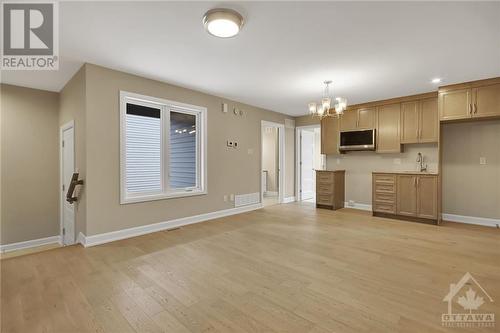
285 51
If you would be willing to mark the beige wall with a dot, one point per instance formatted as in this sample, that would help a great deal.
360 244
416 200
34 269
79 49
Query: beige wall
469 188
306 120
30 164
229 170
270 157
360 165
72 108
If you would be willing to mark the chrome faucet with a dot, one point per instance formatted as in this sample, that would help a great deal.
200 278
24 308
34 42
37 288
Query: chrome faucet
420 159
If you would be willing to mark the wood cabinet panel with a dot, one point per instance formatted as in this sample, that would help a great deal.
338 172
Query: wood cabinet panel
410 122
349 120
429 120
330 187
486 101
407 195
329 136
388 129
455 104
366 118
427 197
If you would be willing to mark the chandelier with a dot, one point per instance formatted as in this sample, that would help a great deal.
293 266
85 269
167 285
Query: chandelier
323 109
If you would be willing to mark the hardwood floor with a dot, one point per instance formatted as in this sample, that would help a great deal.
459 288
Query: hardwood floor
286 268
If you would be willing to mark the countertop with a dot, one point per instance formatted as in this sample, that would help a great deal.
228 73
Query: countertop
408 172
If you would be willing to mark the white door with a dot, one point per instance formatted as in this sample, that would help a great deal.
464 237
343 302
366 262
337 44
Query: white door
306 165
68 167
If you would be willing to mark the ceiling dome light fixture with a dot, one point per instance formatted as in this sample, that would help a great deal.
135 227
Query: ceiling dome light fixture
223 22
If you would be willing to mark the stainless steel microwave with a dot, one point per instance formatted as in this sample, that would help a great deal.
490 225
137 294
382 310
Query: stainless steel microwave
357 140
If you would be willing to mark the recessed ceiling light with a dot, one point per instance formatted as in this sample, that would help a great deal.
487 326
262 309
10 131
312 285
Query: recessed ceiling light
436 80
223 22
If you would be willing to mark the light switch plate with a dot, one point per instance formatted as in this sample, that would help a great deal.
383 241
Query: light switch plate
482 160
224 107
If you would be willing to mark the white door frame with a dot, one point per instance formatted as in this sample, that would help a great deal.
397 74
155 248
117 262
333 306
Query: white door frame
298 150
66 126
281 158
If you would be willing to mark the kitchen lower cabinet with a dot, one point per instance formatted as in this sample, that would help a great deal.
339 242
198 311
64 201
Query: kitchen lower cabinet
405 195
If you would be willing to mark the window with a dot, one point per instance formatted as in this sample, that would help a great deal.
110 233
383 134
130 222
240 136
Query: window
163 149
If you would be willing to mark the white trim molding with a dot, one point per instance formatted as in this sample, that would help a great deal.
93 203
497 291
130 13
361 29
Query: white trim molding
359 206
281 158
471 220
288 200
107 237
29 244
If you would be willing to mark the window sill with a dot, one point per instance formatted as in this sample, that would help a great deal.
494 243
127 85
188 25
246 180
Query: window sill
162 196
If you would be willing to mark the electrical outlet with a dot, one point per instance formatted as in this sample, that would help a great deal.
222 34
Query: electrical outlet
225 198
482 160
250 151
224 107
351 203
338 160
231 197
397 161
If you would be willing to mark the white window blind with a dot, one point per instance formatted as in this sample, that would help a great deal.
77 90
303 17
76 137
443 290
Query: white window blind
143 149
162 149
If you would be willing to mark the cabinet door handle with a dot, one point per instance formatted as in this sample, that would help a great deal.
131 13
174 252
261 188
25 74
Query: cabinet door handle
470 109
415 181
475 108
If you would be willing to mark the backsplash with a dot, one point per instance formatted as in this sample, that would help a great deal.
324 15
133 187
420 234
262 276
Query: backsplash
360 165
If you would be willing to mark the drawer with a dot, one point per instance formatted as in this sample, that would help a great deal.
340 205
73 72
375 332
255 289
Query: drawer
384 208
324 177
385 188
324 188
382 178
324 199
387 198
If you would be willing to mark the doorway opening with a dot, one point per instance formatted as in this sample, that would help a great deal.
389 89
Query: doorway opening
67 168
309 159
272 143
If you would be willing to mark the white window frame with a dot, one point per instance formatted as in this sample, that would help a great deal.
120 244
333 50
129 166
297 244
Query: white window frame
165 107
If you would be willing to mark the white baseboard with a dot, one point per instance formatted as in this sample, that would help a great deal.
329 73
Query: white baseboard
358 206
150 228
289 199
29 244
271 193
80 239
471 220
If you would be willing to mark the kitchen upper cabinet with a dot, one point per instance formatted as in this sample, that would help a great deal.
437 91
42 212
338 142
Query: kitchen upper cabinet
406 199
349 120
366 118
455 104
358 119
419 121
388 129
479 99
410 122
428 120
329 135
486 101
427 197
